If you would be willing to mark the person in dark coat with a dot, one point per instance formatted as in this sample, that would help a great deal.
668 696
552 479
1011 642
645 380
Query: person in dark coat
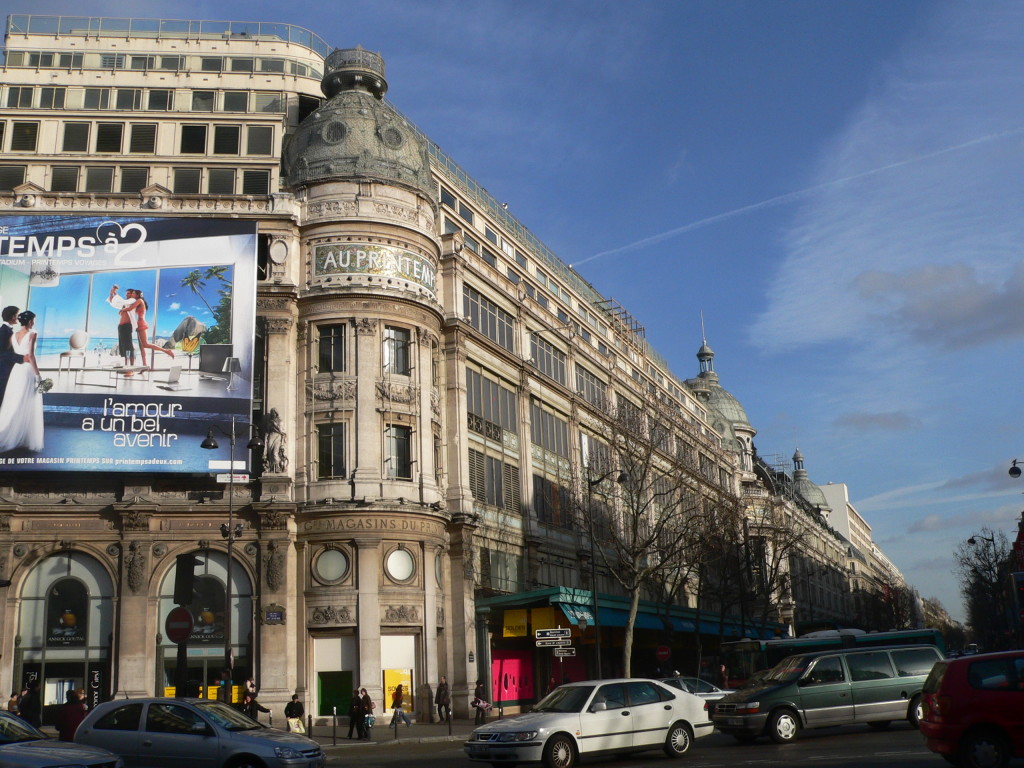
443 700
8 357
294 709
356 716
368 718
479 694
31 706
251 707
71 715
396 707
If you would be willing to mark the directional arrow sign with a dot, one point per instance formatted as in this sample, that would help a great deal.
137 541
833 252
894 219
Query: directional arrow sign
554 641
549 633
565 651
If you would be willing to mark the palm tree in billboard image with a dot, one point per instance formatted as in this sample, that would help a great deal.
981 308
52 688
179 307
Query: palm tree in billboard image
200 303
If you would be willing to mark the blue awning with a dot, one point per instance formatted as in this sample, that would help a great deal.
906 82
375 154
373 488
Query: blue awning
575 613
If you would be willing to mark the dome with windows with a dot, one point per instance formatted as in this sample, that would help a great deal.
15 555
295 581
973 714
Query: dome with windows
355 134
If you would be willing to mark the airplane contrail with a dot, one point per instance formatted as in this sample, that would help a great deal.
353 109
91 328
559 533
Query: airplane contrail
789 196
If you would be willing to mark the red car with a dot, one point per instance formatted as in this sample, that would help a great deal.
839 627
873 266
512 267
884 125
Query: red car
973 709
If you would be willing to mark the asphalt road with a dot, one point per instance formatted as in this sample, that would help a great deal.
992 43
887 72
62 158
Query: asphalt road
846 747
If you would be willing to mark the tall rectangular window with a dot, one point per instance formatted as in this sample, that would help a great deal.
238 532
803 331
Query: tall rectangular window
236 101
398 442
129 98
220 181
52 98
549 359
330 440
590 387
490 406
396 353
134 179
487 317
99 179
24 137
493 482
186 181
64 178
260 140
108 137
226 139
193 139
97 98
76 137
202 101
552 502
143 138
160 99
255 182
331 348
19 96
548 430
11 176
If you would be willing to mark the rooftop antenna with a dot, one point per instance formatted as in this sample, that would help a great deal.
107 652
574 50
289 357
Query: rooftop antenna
703 335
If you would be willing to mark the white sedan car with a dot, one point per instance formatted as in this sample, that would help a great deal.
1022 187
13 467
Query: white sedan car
591 718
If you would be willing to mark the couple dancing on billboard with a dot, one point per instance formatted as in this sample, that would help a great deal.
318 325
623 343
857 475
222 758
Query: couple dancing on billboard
21 386
132 317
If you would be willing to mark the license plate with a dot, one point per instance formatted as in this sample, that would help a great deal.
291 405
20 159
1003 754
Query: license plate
734 721
479 751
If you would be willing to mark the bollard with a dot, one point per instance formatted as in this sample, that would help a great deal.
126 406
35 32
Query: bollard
309 725
271 719
334 727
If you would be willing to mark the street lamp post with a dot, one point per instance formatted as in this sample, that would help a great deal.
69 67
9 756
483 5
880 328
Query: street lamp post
591 484
229 530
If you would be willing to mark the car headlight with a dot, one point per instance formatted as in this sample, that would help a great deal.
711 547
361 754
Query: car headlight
519 736
287 753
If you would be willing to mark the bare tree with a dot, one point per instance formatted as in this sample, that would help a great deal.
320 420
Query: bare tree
641 496
983 567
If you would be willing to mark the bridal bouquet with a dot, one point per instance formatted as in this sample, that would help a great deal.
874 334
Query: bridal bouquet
44 386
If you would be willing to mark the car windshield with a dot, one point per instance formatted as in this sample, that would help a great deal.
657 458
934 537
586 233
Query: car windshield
14 729
787 670
227 717
569 698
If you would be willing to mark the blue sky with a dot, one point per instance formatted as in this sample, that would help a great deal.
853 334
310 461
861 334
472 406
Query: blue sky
837 186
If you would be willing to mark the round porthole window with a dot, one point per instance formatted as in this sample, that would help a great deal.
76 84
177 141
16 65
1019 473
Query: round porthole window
400 565
331 566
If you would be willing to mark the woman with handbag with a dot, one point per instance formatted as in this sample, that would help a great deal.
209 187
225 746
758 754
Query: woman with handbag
396 707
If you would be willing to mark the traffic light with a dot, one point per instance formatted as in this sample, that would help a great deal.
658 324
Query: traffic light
184 578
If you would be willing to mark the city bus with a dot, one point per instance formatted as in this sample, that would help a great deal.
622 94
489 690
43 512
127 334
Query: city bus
743 658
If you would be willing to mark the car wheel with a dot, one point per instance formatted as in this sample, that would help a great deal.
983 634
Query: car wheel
880 725
915 712
245 761
783 726
678 740
559 752
984 749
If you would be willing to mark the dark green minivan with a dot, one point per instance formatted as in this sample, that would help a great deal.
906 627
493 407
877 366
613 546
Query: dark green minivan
815 690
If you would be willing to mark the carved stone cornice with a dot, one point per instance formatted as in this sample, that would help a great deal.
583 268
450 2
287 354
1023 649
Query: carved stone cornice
273 304
401 614
365 326
274 519
330 391
278 324
397 393
331 615
135 520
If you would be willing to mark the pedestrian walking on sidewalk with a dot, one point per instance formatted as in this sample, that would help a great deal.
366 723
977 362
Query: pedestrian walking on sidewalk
443 700
396 707
480 703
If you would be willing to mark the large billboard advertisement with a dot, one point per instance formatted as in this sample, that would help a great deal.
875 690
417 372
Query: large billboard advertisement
123 341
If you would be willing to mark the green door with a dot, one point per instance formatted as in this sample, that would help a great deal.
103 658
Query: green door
334 689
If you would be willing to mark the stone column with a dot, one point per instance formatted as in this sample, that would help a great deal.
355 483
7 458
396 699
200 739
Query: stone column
368 617
279 673
138 614
368 438
279 396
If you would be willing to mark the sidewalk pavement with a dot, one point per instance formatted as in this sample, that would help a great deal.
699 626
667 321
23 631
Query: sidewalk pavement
334 740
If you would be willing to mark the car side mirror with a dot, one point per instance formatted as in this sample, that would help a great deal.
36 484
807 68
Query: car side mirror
202 729
803 681
598 706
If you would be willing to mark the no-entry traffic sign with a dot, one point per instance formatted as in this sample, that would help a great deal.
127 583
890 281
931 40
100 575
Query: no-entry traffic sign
179 625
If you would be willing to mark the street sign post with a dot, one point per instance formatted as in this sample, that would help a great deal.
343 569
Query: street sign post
547 634
565 651
179 624
557 641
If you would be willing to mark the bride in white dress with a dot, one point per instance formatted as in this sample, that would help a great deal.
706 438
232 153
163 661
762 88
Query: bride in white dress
21 415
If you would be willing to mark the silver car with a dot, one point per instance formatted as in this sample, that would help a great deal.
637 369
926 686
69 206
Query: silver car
192 733
698 687
595 717
25 746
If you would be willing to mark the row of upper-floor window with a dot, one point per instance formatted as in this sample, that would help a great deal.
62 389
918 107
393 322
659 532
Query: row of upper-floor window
161 62
135 99
332 450
332 342
133 179
115 137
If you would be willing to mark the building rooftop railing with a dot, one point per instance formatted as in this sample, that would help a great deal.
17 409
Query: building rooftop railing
103 26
